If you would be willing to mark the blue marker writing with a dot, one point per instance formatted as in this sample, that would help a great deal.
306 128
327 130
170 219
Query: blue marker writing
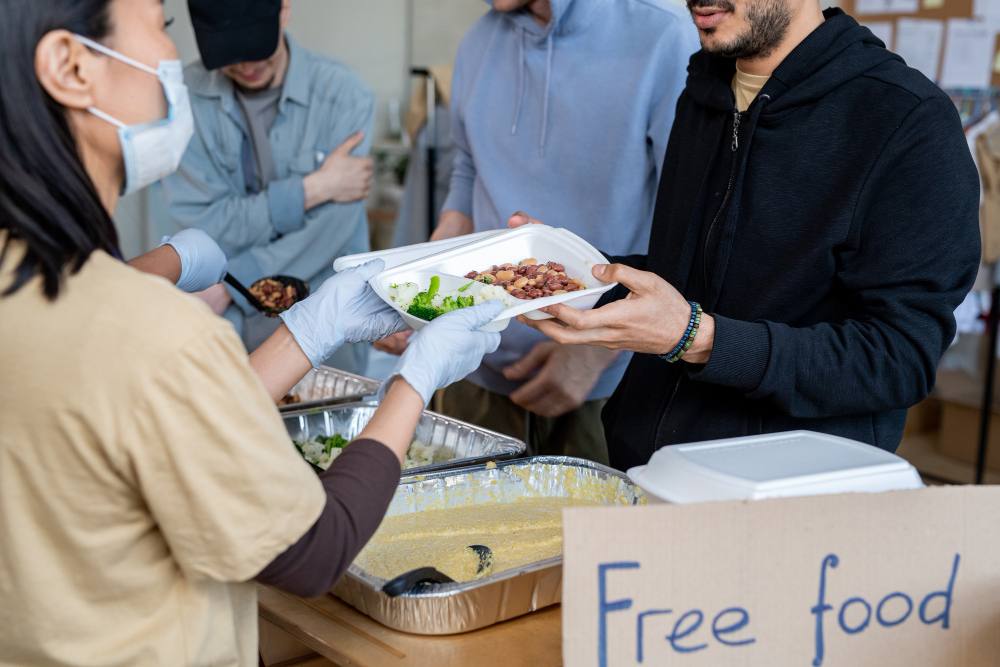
822 607
604 607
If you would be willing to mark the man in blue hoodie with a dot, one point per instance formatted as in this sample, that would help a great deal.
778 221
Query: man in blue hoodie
567 103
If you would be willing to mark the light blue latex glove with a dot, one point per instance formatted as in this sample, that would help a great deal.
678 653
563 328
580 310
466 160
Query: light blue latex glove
447 349
345 309
203 263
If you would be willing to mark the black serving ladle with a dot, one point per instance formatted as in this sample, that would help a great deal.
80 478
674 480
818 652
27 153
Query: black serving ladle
425 576
247 294
301 290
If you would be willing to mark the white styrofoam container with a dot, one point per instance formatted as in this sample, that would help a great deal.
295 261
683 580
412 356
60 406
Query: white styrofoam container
396 256
546 244
779 465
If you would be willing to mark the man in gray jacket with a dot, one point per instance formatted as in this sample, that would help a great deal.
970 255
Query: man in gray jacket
277 171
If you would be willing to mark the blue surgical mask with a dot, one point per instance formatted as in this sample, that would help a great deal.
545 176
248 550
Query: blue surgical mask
152 150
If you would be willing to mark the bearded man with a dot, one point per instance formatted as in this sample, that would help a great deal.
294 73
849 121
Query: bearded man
815 229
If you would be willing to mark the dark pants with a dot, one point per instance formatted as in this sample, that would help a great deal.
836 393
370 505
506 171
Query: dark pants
578 433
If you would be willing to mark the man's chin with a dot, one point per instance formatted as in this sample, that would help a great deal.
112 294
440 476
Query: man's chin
255 86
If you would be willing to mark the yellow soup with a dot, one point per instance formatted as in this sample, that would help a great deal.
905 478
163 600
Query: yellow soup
518 533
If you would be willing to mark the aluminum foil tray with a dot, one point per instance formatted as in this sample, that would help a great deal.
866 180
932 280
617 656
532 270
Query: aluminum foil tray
329 386
443 609
471 444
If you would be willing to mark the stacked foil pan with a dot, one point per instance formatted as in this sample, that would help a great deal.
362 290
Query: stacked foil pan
470 444
329 386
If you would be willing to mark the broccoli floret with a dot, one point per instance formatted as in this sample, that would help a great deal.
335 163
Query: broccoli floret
423 312
421 306
454 303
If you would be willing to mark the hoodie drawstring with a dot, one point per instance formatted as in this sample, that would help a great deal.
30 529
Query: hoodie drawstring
545 102
520 86
522 83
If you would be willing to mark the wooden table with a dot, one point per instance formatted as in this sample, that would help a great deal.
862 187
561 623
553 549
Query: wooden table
347 637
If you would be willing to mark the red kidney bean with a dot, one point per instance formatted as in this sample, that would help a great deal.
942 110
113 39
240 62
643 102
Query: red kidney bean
558 267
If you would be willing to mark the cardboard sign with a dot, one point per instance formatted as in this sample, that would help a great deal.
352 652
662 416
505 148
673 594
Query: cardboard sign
902 578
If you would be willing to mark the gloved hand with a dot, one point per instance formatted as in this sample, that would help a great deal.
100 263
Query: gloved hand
203 263
447 349
345 309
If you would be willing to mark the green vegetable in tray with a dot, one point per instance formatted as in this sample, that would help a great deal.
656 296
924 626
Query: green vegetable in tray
332 442
422 304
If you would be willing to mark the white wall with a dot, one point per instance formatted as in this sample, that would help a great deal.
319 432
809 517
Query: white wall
378 38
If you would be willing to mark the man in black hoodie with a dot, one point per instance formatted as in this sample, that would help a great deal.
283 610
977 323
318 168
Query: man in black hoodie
819 201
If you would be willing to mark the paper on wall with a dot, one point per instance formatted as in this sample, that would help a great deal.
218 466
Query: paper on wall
967 55
988 11
886 6
918 41
883 30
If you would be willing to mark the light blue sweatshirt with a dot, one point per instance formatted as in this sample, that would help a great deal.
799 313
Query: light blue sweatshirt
568 123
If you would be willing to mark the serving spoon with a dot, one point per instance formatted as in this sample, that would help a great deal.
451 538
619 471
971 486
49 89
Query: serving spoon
247 294
408 581
301 289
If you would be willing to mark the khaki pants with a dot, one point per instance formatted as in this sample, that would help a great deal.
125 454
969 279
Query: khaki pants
578 433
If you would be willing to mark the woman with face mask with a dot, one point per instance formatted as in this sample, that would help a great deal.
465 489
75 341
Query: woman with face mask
146 478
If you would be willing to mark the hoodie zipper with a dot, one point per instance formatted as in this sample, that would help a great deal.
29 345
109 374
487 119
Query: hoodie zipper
725 199
708 238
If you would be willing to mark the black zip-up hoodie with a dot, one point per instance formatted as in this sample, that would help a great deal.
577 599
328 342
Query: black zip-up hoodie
831 230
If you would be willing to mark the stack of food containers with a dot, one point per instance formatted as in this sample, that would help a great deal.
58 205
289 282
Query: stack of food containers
796 463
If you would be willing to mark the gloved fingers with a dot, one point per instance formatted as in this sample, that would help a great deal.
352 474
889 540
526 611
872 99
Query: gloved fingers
366 271
493 340
382 325
473 317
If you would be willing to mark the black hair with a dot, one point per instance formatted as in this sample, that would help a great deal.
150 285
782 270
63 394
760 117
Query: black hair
47 200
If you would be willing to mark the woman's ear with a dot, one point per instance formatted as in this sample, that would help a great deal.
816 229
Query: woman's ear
66 68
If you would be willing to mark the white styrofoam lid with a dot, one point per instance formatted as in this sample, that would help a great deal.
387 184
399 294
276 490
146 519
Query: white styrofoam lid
393 257
776 465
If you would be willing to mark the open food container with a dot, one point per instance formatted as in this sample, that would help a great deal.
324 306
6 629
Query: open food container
796 463
396 256
328 386
546 244
451 608
463 444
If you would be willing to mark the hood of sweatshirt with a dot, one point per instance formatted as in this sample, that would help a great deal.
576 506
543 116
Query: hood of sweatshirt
568 17
836 52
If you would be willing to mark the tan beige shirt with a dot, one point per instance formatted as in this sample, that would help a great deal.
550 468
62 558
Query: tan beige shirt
145 477
746 86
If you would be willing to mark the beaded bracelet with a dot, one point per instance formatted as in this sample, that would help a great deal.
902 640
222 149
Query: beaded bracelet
687 340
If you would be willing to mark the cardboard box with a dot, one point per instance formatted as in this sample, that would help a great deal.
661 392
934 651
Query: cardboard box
959 434
851 580
924 417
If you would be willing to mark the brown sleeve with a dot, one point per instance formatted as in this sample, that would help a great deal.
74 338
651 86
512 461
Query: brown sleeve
359 486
